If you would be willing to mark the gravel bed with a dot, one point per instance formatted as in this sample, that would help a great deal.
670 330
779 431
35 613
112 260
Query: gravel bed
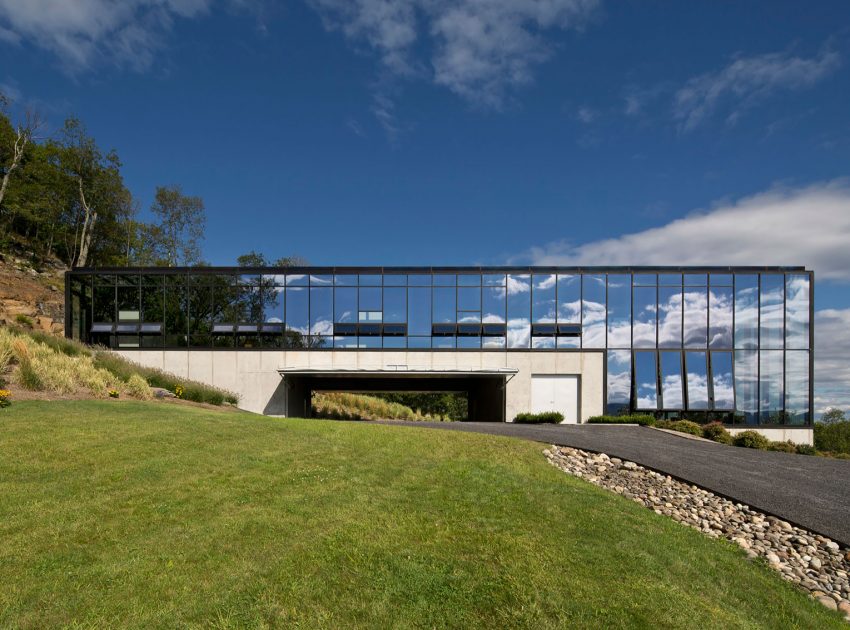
813 562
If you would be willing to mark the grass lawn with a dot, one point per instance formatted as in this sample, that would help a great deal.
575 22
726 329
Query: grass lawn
155 515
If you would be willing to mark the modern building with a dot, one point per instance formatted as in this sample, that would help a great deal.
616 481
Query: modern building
726 343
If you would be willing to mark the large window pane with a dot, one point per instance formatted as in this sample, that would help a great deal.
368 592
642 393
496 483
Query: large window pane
444 305
697 367
746 311
771 387
593 312
645 323
695 303
104 304
395 305
543 299
345 305
619 311
797 387
128 304
519 311
569 299
494 305
720 317
672 396
646 380
721 383
321 311
669 317
797 312
469 299
619 381
297 311
419 315
772 311
152 304
746 386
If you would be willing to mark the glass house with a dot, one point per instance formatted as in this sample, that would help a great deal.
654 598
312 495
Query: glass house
732 343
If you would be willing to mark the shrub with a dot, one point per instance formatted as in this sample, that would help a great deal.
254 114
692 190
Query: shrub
5 395
26 374
682 426
751 439
113 393
545 417
641 419
716 432
834 437
179 391
806 449
62 345
138 387
24 320
783 447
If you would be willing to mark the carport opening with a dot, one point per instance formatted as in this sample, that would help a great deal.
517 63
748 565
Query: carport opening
403 395
397 405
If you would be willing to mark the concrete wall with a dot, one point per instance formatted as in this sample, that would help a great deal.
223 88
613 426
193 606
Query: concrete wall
799 435
253 374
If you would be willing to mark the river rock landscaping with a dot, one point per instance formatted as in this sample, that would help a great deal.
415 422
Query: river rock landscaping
813 562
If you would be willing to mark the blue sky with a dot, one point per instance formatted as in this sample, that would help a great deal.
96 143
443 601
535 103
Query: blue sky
474 131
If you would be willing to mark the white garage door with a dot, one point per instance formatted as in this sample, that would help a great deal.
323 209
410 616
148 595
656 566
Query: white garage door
555 393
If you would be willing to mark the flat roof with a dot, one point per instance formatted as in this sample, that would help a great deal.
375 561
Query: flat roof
447 269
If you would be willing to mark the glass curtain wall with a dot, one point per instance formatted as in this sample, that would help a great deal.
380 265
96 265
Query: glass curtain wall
735 345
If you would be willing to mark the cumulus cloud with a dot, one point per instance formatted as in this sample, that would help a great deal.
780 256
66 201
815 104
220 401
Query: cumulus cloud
479 49
745 81
84 32
803 226
832 359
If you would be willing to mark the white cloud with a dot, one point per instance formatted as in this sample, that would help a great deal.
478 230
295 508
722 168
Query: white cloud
832 359
586 115
803 226
82 33
479 49
743 82
806 226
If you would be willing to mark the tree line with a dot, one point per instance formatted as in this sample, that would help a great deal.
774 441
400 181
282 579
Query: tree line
64 196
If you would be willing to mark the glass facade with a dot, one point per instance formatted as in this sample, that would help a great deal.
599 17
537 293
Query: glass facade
734 344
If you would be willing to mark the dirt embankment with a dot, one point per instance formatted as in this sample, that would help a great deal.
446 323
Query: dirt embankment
38 294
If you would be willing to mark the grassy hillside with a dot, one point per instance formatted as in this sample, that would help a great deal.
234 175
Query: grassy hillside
145 515
36 361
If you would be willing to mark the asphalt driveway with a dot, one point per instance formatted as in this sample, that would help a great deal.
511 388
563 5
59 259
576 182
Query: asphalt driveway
812 492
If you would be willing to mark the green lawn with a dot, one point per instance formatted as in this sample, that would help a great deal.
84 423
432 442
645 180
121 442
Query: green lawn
155 515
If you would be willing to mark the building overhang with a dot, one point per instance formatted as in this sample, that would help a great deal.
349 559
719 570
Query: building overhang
398 371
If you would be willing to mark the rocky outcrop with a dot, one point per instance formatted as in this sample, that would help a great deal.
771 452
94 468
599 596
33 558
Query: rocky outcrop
36 294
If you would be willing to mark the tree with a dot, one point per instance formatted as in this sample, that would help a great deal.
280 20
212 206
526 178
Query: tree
181 224
101 202
13 142
832 415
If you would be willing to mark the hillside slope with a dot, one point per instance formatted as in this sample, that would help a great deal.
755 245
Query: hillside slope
37 294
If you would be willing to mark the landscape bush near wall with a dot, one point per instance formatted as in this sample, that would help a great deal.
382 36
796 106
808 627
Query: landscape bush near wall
37 361
833 438
544 417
